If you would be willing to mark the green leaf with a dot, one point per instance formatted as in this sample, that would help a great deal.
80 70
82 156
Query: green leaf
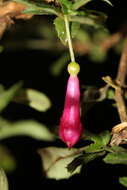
80 3
61 30
35 11
83 159
86 21
75 26
29 128
55 161
105 136
66 3
78 161
116 158
100 141
109 2
97 16
35 99
8 95
92 18
123 181
3 180
38 8
66 6
117 149
94 147
7 162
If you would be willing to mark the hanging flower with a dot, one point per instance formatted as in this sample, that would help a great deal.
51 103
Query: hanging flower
70 124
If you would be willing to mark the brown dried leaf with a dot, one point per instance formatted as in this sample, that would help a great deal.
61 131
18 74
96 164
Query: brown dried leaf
119 133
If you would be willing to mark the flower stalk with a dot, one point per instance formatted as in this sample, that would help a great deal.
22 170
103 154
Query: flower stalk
69 38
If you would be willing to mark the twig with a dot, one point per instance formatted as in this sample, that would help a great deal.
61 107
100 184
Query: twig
120 79
111 41
122 70
119 132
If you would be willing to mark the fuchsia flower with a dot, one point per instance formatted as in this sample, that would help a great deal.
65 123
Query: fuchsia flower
70 124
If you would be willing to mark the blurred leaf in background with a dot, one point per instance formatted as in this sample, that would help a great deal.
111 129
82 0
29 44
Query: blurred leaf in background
58 65
7 161
33 98
123 181
6 96
29 128
1 48
3 180
75 27
55 161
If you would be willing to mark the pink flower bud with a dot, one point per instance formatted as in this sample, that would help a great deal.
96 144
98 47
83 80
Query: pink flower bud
70 124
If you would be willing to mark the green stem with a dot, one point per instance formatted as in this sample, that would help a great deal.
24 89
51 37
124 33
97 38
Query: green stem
69 39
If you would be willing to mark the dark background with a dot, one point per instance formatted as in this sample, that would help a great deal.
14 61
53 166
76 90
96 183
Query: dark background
35 65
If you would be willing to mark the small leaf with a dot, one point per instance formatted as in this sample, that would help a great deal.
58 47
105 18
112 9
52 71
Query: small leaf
117 149
7 162
66 6
55 161
123 181
8 95
83 159
109 2
35 99
66 3
75 26
61 30
94 147
100 141
116 158
78 161
38 8
3 180
80 3
35 11
105 136
29 127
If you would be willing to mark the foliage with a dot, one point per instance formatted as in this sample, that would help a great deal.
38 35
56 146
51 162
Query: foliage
123 181
3 180
55 161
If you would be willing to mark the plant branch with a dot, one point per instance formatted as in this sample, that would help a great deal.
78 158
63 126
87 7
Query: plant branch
122 69
69 39
120 79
